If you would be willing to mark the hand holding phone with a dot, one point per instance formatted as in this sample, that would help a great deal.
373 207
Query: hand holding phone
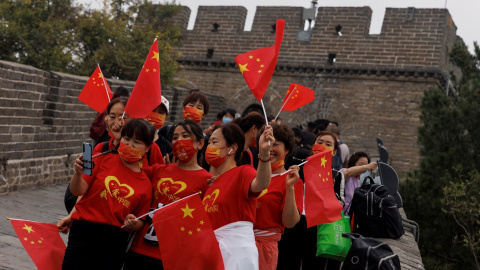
87 159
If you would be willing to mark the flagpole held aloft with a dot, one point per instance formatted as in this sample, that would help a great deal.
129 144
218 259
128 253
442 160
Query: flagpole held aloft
301 164
265 113
283 105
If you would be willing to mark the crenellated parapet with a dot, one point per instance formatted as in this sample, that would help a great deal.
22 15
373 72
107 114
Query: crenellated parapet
411 40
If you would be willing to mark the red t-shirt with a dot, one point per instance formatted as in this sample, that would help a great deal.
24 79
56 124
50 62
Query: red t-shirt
114 192
169 184
271 201
227 200
155 154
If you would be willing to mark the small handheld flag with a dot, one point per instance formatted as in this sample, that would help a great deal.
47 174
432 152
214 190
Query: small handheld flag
146 94
96 93
257 66
42 242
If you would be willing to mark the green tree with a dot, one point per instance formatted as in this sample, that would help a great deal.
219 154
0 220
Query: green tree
461 201
450 138
59 36
119 38
38 33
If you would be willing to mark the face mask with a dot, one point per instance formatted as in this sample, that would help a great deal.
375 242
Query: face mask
212 155
194 114
130 154
317 148
183 150
226 120
156 119
278 164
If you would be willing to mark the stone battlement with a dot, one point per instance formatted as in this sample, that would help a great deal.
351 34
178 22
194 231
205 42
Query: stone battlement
411 39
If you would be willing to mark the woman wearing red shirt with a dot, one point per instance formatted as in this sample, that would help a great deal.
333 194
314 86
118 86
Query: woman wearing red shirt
170 183
281 204
232 198
117 187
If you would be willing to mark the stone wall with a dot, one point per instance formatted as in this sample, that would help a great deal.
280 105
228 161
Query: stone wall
43 124
373 88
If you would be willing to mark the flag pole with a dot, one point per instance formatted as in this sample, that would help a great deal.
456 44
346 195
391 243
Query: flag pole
283 105
265 113
301 164
104 82
153 211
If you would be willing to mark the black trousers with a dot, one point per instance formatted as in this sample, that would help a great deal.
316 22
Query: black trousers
298 248
95 246
136 261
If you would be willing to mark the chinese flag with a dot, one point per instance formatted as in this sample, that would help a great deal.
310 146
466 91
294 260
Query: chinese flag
146 94
96 93
321 204
185 236
257 66
297 96
42 242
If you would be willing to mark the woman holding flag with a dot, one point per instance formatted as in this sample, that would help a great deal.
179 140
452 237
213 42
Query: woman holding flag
170 183
232 198
281 204
117 187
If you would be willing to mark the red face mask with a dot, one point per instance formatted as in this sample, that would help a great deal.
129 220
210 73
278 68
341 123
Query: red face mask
156 119
317 148
194 114
212 155
130 154
183 150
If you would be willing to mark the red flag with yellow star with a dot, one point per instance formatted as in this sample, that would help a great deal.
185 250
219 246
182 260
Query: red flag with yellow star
185 236
321 204
42 242
297 96
146 94
96 93
257 66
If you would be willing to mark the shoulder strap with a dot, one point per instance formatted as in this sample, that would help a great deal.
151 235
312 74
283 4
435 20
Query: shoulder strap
105 146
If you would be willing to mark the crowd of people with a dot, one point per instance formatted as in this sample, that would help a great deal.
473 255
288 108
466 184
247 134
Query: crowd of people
248 165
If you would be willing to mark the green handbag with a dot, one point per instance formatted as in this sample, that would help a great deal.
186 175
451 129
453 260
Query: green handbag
330 243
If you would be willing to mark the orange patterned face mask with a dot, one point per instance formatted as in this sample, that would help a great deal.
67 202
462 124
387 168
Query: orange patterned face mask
156 119
194 114
278 164
130 154
184 150
212 155
317 148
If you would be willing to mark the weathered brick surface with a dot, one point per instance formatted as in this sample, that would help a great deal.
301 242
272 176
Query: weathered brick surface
373 89
43 124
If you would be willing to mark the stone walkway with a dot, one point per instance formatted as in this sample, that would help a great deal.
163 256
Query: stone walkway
44 204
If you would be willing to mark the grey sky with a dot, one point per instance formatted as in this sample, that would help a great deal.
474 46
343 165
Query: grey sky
465 13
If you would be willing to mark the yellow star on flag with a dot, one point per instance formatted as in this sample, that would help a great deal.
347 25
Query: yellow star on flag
182 229
187 211
155 56
32 242
202 222
190 232
243 67
324 161
100 75
26 239
250 57
28 228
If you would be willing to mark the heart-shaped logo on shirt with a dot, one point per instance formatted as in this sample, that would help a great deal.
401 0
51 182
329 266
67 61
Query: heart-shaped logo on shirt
116 189
209 200
168 186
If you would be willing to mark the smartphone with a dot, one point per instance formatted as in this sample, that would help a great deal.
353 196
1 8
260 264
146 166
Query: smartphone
87 159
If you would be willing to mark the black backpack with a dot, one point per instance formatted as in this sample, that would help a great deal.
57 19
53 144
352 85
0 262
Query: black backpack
369 253
375 213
